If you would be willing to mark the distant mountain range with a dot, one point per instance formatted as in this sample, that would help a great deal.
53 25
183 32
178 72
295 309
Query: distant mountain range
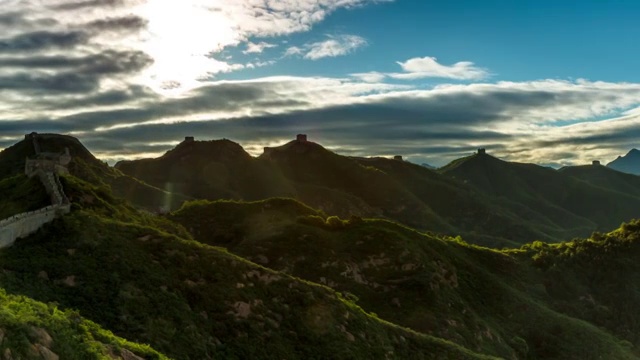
344 275
630 163
486 200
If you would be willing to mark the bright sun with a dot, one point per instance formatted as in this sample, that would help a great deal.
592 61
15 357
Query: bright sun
181 35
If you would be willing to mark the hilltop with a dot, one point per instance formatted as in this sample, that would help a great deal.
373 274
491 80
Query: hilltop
488 201
560 204
85 166
277 278
606 177
210 170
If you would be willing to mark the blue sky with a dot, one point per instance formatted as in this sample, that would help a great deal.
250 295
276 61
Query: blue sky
550 82
516 40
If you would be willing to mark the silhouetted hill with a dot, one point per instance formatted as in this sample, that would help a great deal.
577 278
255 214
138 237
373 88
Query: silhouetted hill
217 169
562 205
85 166
314 169
489 201
475 215
606 177
630 163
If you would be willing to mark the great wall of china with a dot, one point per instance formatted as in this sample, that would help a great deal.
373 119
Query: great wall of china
47 166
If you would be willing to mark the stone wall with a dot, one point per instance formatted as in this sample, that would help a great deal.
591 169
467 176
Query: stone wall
21 225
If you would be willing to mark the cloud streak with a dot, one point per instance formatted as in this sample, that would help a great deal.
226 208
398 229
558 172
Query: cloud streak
425 67
95 69
335 45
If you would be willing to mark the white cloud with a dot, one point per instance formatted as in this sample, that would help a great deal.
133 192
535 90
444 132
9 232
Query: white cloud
256 48
335 45
425 67
184 38
370 77
293 50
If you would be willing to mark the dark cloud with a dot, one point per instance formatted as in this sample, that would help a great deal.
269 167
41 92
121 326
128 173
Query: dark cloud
626 135
43 40
129 23
16 19
77 5
102 98
107 62
12 19
45 83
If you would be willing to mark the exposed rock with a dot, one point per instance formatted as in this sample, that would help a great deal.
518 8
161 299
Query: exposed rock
70 280
145 238
43 275
396 302
242 309
409 267
46 353
7 355
266 278
42 336
128 355
350 336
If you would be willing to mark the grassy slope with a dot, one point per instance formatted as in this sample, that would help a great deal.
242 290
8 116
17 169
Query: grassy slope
340 185
27 326
87 167
476 215
563 205
310 164
605 177
21 194
492 302
189 300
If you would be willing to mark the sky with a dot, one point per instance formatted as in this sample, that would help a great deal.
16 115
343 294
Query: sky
548 82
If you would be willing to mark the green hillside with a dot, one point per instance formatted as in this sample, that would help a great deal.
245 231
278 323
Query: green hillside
85 166
606 178
335 184
511 304
275 278
143 278
33 330
561 205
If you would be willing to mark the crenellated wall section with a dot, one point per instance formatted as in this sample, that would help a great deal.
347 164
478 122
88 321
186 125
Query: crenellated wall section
24 224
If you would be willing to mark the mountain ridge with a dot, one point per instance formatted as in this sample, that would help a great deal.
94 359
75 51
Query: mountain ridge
629 163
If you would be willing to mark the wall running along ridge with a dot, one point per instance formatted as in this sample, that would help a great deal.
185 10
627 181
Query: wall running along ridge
21 225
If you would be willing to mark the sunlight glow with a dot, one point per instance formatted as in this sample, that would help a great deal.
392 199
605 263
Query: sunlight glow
182 37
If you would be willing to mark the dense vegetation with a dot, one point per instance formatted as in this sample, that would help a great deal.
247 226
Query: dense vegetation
21 194
502 303
33 330
276 278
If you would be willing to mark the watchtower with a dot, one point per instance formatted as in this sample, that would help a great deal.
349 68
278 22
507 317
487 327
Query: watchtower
596 163
398 157
482 151
301 137
188 139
